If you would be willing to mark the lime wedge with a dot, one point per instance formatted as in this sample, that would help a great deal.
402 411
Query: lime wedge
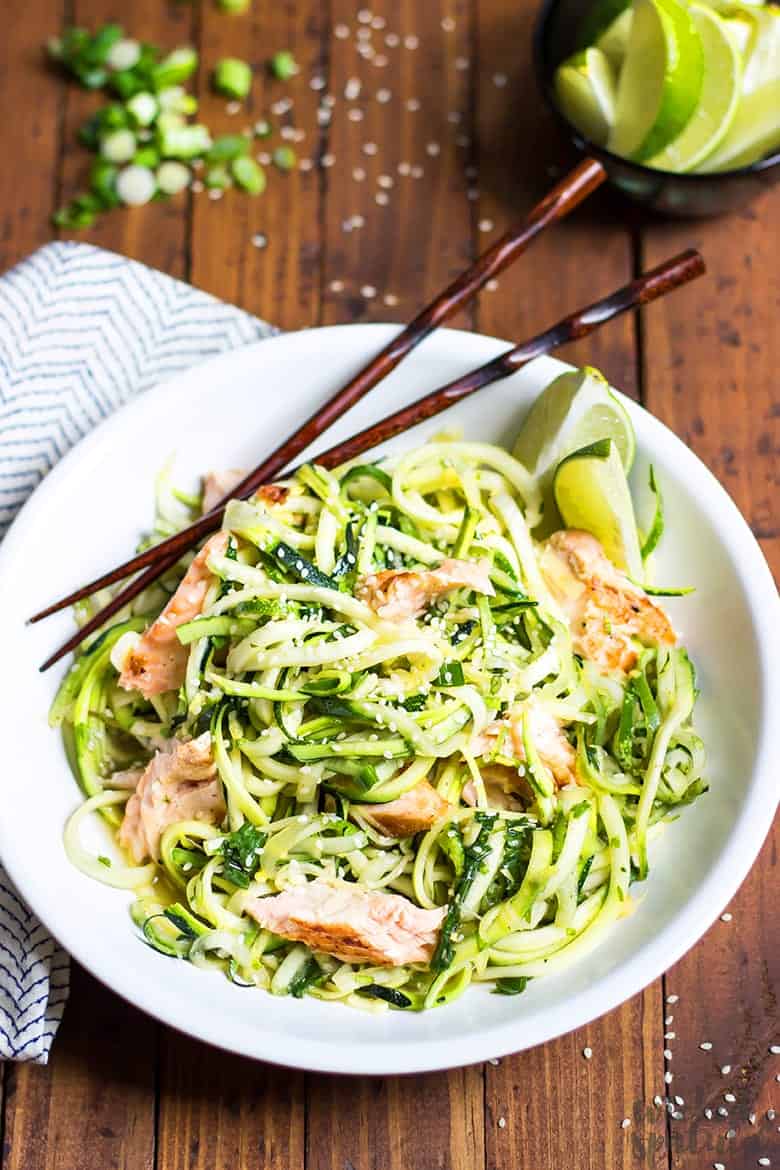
661 79
740 29
719 97
762 64
576 409
601 16
591 492
754 133
613 42
585 89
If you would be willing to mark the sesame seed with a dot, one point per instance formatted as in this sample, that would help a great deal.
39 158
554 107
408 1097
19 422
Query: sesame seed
380 60
323 117
587 1053
378 23
327 160
462 63
412 105
259 240
382 198
355 115
770 1115
288 132
263 157
705 1046
448 24
731 1133
433 149
668 1021
486 225
722 1111
657 1101
363 34
775 1049
370 148
417 172
341 31
500 80
708 1114
215 194
669 1035
726 917
672 998
358 174
368 291
667 1054
233 108
679 1101
668 1076
729 1097
502 1123
677 1115
404 168
391 299
411 42
352 89
625 1123
454 117
329 101
491 286
725 1070
305 164
718 1166
358 221
462 140
392 40
473 194
317 83
196 187
383 96
366 51
282 106
385 181
764 1162
364 16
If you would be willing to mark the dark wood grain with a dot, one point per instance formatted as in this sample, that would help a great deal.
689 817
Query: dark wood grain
710 373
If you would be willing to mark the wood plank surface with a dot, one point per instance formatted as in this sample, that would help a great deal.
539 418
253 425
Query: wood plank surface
463 148
710 372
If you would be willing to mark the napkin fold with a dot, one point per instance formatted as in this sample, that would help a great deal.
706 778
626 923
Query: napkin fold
82 330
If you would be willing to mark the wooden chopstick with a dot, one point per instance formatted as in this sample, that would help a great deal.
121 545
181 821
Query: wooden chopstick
653 284
562 199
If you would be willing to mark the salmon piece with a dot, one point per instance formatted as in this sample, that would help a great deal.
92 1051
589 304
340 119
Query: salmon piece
179 784
413 812
354 925
159 661
403 593
546 733
218 484
606 612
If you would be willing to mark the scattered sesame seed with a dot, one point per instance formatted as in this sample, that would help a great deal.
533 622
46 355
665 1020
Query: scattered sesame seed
657 1101
668 1021
305 164
667 1054
454 117
587 1053
731 1133
679 1101
404 168
288 132
625 1123
729 1097
726 917
358 174
341 31
462 63
412 105
391 299
433 149
355 115
264 158
722 1111
448 24
380 60
364 16
323 117
392 40
500 80
725 1070
764 1162
462 140
669 1035
777 1078
368 291
233 108
411 42
370 148
718 1166
215 194
502 1123
677 1115
366 51
705 1046
708 1114
378 23
317 83
196 187
672 998
668 1076
386 181
283 106
417 172
383 96
770 1115
352 89
336 286
363 34
775 1049
358 221
327 160
259 240
473 194
491 286
382 198
486 225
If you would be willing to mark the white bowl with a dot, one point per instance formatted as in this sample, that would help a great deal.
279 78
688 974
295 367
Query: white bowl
86 516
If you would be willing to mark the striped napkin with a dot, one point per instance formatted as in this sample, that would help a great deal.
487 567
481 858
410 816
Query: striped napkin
82 330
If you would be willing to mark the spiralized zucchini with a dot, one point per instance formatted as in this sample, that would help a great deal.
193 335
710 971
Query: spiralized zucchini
317 704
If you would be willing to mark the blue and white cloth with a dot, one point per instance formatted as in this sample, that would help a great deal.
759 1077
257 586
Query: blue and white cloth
82 330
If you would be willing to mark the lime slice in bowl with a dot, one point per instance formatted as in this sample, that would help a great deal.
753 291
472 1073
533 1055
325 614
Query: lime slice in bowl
600 17
720 95
613 42
762 65
585 89
661 79
754 133
592 493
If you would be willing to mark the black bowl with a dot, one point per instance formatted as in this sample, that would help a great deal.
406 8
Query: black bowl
555 39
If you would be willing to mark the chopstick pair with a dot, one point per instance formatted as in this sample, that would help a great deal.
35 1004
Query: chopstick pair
562 199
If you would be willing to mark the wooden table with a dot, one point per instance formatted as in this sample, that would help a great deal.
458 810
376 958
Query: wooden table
460 105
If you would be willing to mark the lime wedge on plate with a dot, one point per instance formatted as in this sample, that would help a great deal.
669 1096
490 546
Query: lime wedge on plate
762 65
613 42
719 97
585 89
576 409
661 79
754 133
591 492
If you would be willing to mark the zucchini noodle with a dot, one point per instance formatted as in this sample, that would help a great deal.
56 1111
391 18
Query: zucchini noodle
372 637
